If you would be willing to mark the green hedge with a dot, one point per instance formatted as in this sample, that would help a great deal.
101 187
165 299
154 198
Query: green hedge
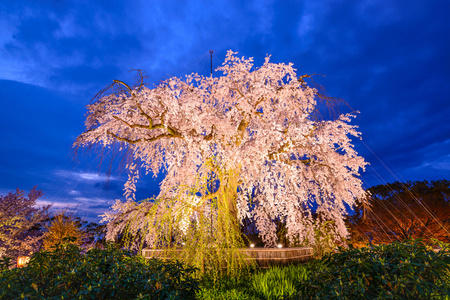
67 273
408 270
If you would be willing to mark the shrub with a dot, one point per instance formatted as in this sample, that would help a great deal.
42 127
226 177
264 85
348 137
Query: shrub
66 273
407 270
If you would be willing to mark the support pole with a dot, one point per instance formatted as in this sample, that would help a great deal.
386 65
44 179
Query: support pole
211 52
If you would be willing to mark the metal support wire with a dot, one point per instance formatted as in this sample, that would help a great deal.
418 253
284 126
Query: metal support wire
211 52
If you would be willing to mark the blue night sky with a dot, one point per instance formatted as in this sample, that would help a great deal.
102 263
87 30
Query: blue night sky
388 59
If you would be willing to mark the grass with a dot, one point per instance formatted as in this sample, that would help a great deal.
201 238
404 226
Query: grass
272 283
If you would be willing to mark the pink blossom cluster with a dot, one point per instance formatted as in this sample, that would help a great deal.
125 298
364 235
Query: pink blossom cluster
258 123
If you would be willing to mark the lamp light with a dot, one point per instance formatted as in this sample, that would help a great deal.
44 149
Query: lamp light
22 261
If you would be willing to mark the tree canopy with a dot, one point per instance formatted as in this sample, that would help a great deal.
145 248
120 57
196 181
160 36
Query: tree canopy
20 232
64 225
399 211
253 132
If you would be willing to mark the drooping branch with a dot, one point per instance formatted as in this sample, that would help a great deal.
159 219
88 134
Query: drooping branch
142 140
244 120
124 84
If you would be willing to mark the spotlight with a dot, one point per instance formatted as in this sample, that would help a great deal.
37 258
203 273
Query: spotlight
280 246
252 245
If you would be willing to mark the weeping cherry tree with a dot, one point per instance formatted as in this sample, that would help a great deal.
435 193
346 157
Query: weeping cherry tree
247 144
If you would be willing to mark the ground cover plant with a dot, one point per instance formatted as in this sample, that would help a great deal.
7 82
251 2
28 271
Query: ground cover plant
272 283
111 273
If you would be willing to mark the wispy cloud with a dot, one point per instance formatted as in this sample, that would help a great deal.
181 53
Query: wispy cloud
85 176
387 59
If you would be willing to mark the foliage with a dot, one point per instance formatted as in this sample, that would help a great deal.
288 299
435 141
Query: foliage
20 232
62 226
276 283
407 270
66 273
273 283
324 241
411 264
193 242
248 144
95 233
6 263
399 211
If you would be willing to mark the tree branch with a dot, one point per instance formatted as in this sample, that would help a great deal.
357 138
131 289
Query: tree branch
123 83
126 140
132 125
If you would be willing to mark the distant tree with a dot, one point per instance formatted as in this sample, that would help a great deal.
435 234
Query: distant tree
66 224
399 211
95 233
20 222
63 225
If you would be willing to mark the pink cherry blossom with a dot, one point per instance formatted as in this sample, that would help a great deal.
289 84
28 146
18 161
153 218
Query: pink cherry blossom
257 123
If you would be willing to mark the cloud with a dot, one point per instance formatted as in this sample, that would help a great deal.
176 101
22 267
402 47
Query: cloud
88 208
84 44
388 60
84 176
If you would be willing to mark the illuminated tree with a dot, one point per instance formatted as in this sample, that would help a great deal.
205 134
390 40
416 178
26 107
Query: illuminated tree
245 144
63 225
400 211
20 230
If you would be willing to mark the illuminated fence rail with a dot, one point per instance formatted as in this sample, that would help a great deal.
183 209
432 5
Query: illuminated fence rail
264 257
